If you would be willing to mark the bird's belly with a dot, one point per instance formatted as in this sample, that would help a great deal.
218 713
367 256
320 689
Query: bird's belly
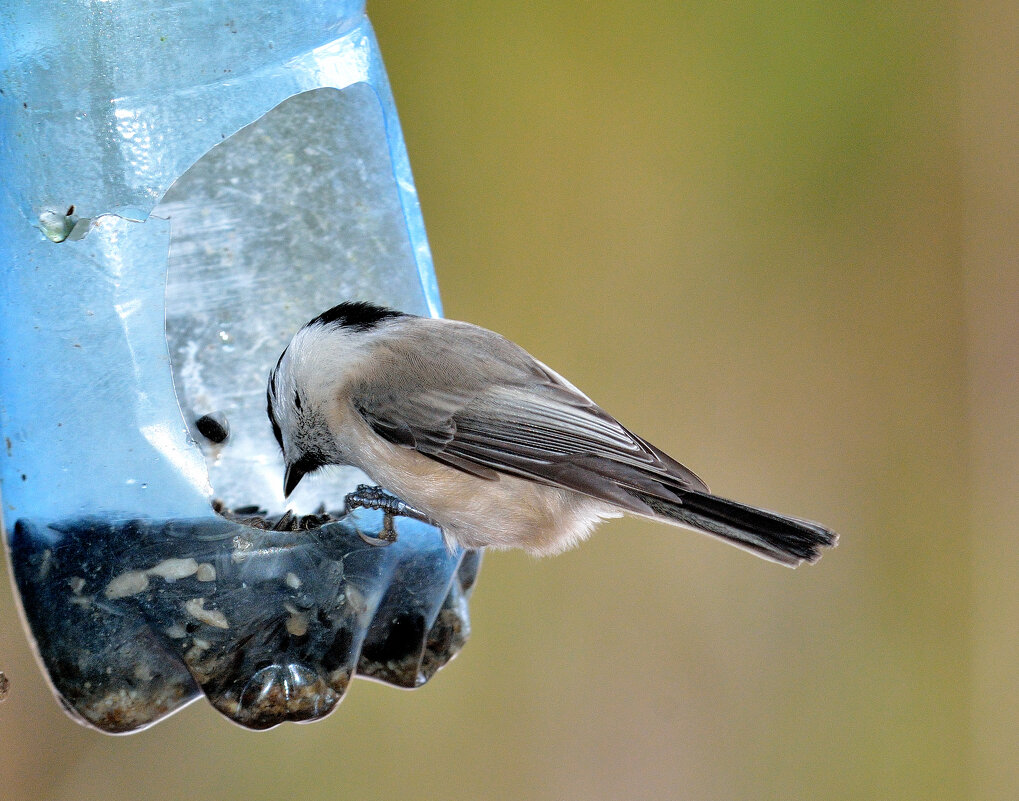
475 512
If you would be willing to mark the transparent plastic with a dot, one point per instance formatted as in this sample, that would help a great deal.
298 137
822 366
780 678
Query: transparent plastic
185 184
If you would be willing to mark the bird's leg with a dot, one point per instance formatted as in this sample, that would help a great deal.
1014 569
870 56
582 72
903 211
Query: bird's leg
369 497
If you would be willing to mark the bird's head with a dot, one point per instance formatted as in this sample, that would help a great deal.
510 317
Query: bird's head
306 381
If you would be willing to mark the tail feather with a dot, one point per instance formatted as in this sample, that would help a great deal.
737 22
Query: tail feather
786 540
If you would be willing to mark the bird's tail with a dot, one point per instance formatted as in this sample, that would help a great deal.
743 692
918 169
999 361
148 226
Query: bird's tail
787 540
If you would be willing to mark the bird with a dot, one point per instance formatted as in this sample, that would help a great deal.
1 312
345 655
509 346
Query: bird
462 428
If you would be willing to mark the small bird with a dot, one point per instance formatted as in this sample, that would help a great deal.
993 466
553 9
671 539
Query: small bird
463 428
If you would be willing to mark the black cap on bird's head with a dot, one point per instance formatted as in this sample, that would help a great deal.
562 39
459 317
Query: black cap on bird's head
359 315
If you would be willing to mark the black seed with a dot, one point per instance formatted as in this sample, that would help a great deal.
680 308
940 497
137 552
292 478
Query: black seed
214 427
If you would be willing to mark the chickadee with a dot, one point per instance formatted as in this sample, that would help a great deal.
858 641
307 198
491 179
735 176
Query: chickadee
485 441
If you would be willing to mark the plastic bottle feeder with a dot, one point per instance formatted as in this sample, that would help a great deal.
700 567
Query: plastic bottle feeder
182 189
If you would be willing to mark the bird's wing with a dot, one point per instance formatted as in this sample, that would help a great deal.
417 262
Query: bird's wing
495 409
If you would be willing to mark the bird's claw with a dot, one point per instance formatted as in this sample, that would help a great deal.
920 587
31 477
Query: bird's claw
386 537
369 497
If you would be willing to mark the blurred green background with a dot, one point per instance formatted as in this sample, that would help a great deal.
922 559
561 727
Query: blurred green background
775 239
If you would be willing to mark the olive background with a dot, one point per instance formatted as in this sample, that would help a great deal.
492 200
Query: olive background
776 240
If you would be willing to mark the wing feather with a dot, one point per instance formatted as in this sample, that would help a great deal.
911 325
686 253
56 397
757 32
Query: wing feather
494 410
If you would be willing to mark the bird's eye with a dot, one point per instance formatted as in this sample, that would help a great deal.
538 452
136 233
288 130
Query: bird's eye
297 401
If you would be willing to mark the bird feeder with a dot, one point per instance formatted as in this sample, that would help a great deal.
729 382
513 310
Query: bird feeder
183 186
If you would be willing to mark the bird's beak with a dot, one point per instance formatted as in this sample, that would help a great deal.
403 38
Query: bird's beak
292 477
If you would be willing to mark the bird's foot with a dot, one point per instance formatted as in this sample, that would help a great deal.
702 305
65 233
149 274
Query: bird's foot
369 497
